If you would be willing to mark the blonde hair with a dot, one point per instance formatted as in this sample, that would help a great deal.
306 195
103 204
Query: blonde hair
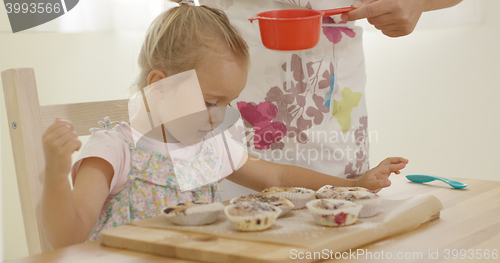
178 40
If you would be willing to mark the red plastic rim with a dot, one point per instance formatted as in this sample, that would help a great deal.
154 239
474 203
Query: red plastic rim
289 14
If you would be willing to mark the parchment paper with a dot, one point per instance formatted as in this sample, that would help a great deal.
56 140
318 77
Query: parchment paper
298 228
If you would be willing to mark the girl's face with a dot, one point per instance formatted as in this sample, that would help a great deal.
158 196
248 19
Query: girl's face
222 77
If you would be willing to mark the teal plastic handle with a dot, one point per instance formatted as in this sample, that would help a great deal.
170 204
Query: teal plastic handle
420 178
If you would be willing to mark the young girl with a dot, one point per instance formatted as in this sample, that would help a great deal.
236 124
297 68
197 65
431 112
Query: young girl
116 182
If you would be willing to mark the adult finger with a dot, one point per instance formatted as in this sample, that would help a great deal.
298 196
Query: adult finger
388 28
399 32
395 33
366 10
383 20
401 29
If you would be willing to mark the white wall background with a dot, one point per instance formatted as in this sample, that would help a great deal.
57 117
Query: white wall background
432 96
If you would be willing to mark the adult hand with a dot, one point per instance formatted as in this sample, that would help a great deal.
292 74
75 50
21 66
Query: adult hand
394 18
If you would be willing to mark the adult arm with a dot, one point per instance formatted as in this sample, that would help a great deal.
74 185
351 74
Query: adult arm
395 18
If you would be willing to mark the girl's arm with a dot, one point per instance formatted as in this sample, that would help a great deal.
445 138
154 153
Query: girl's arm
258 174
68 216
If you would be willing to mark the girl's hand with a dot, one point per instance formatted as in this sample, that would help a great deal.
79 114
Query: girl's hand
59 142
394 18
378 177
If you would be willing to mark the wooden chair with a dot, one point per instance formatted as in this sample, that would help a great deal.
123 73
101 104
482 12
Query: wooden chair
28 120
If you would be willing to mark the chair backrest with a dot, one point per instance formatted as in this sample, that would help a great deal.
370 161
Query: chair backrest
28 120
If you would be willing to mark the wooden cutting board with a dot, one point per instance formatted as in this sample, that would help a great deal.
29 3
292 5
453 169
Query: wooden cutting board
289 236
195 246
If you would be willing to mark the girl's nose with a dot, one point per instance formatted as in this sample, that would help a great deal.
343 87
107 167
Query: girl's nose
217 115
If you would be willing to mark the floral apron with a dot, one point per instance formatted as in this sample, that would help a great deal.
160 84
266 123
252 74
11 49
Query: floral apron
151 186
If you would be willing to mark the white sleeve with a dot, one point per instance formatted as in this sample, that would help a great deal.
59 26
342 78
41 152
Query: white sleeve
109 146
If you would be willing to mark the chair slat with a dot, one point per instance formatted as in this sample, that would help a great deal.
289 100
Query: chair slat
85 115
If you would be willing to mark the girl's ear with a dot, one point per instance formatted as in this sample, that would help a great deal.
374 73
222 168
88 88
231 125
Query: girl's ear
155 75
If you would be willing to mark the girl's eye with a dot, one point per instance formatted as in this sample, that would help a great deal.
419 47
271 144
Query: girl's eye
210 104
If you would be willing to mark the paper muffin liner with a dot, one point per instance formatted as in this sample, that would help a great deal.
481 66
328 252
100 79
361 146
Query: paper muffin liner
196 215
257 222
342 216
285 208
370 206
299 200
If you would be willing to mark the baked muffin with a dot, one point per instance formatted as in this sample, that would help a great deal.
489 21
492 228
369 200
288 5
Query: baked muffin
193 213
370 201
328 191
284 204
332 212
298 195
252 216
